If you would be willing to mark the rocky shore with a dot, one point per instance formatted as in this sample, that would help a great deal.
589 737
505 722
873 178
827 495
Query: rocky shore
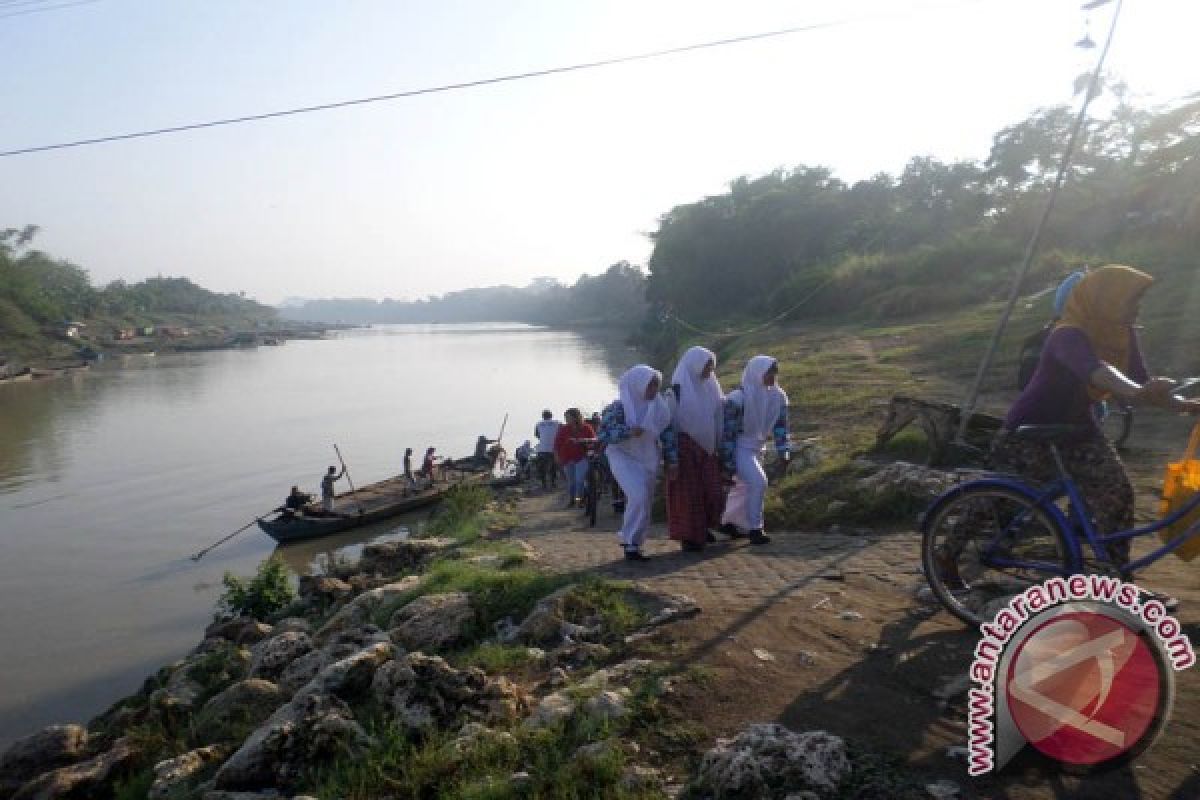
445 666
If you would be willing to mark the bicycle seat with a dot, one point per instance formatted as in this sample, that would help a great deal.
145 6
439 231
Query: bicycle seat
1049 433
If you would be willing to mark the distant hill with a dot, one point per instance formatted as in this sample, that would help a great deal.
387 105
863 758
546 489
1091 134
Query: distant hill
614 297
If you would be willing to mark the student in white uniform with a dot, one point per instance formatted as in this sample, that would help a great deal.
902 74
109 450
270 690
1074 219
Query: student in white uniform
755 413
637 429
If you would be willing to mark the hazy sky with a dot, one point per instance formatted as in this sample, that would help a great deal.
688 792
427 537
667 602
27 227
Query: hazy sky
551 176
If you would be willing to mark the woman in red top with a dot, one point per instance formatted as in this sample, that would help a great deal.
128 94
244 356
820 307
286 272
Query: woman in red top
571 455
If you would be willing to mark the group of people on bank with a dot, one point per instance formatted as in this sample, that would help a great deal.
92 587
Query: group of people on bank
709 443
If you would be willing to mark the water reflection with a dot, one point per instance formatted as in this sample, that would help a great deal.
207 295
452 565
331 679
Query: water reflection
110 480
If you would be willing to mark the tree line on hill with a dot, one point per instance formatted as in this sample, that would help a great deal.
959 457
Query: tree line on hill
939 235
615 297
38 291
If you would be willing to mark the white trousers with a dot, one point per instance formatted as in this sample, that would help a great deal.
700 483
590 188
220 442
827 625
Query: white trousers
638 482
744 505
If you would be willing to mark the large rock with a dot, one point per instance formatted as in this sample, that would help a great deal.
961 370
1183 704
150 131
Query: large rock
174 773
425 692
544 624
239 630
351 678
433 622
85 779
399 557
923 484
324 589
552 709
363 609
769 761
271 656
49 748
342 645
230 715
310 729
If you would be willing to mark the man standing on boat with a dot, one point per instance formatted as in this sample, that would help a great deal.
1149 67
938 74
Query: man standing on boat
327 488
545 431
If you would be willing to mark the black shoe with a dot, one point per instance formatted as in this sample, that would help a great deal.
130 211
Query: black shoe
636 555
731 530
709 537
691 547
758 537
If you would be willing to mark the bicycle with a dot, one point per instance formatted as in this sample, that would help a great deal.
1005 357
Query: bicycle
598 477
1004 535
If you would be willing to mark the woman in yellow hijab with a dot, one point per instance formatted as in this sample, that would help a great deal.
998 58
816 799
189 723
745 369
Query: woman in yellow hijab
1091 354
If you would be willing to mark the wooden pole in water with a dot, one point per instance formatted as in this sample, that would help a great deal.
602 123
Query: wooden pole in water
220 542
349 480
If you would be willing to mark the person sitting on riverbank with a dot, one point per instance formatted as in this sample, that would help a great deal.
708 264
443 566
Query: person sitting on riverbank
327 494
523 454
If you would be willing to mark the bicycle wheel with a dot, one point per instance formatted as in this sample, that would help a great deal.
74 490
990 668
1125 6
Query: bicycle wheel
592 493
996 543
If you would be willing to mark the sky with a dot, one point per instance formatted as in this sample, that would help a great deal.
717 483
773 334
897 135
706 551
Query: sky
553 176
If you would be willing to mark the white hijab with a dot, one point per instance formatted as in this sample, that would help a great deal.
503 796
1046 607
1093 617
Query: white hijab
699 398
762 403
652 416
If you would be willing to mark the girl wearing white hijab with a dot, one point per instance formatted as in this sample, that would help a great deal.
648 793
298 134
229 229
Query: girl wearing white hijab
755 413
635 427
695 496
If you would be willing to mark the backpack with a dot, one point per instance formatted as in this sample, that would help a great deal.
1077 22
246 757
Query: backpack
1031 354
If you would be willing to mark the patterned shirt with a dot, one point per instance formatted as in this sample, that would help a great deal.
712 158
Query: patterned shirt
613 430
732 428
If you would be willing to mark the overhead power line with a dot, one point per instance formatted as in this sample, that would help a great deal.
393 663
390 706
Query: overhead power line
38 9
449 87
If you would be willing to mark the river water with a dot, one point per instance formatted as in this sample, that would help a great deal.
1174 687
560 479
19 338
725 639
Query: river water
110 480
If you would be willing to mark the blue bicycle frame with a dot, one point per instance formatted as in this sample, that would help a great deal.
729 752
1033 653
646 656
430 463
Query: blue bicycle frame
1070 525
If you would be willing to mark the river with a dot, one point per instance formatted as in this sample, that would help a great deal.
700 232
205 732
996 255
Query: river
110 480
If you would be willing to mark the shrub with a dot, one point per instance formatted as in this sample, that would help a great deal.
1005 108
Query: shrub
262 595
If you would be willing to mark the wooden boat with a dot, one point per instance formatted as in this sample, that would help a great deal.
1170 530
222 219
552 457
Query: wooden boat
368 504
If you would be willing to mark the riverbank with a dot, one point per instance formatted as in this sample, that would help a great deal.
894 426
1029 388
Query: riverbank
71 348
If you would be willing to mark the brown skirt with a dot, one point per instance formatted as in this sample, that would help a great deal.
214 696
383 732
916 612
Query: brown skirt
696 497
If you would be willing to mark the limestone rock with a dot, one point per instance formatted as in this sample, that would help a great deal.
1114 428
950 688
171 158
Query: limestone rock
361 610
239 630
271 656
768 760
638 779
399 557
241 707
553 708
172 773
424 692
433 622
609 705
543 625
309 729
292 625
85 779
49 748
351 677
324 589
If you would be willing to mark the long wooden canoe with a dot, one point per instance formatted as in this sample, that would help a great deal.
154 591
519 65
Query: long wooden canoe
371 503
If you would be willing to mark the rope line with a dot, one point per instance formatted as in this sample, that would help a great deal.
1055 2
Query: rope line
773 320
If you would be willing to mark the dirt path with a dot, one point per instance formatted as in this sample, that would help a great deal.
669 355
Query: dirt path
848 647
